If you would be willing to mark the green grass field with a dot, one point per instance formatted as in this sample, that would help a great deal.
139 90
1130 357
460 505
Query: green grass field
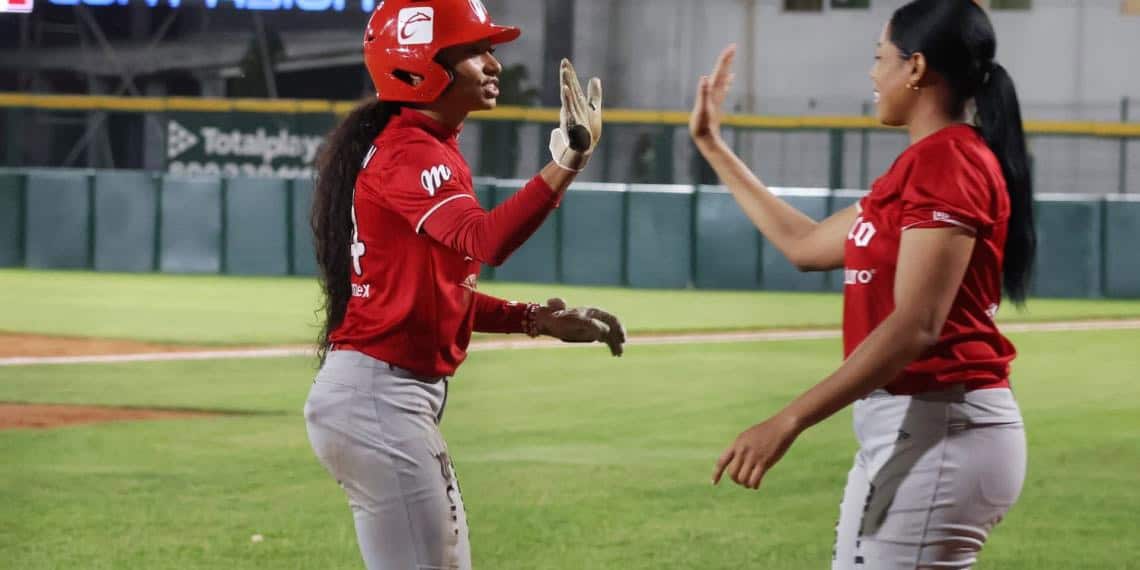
210 310
569 459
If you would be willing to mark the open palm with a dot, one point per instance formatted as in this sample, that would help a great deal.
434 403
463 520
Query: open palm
708 110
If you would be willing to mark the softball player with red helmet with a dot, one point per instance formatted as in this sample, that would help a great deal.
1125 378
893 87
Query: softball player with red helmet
399 240
926 254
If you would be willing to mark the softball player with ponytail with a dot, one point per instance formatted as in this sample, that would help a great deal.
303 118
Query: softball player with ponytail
927 253
400 238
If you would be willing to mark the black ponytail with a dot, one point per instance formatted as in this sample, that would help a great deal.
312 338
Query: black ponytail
999 115
338 164
958 42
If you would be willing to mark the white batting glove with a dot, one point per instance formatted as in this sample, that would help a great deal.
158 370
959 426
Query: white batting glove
580 121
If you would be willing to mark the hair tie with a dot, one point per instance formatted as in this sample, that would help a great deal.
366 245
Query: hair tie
987 71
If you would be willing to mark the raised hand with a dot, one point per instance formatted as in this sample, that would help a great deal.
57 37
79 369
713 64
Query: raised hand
580 120
708 109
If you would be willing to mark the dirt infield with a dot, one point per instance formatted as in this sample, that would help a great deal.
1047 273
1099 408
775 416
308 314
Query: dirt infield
32 350
12 344
24 349
47 416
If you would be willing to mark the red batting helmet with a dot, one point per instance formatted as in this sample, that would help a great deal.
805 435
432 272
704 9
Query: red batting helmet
403 37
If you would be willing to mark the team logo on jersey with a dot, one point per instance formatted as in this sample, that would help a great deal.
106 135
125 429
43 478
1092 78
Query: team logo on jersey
992 310
861 232
363 291
858 276
471 283
416 26
433 178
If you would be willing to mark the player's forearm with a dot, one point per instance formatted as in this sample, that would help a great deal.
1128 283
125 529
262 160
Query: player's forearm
491 237
893 345
494 315
781 223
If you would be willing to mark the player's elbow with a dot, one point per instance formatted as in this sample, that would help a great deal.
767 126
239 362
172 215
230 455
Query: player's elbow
807 266
919 331
925 338
479 252
474 240
496 256
814 250
495 260
804 262
497 252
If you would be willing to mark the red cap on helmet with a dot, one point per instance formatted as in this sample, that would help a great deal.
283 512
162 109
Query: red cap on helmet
404 36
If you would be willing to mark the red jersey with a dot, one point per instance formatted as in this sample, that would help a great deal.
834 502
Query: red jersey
950 178
419 237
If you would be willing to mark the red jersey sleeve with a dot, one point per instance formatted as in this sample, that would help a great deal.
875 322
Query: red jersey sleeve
496 315
414 181
946 187
491 237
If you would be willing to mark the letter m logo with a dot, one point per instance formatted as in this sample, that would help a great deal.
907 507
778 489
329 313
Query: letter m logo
434 178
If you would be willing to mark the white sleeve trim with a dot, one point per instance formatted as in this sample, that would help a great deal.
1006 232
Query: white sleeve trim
967 227
368 157
420 225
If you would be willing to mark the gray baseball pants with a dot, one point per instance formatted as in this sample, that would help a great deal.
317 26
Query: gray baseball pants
375 428
933 475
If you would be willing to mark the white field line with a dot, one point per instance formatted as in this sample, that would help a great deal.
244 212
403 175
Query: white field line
522 344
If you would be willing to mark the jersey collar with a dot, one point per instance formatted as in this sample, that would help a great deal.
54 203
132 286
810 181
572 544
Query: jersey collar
414 118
